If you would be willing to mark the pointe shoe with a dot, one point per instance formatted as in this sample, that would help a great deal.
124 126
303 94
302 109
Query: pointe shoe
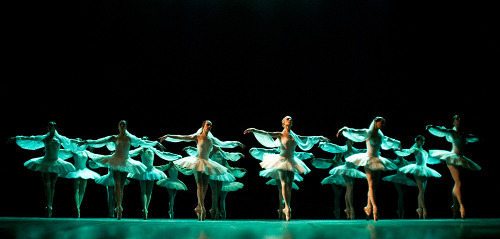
48 211
77 212
455 210
462 212
368 211
203 214
288 214
424 214
214 214
222 215
352 215
375 214
281 215
171 214
145 214
401 213
197 210
420 213
348 213
336 212
119 211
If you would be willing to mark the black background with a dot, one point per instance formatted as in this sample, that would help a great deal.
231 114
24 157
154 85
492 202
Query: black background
167 65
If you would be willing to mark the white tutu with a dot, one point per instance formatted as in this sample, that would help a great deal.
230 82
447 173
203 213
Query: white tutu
420 171
274 182
172 183
275 174
454 159
343 170
208 167
231 186
82 173
401 179
115 163
150 175
371 162
49 166
108 180
334 179
277 162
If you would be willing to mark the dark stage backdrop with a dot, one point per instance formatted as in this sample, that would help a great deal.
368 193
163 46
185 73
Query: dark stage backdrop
167 65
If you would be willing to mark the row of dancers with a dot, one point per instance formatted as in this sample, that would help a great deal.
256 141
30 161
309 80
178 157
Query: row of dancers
279 160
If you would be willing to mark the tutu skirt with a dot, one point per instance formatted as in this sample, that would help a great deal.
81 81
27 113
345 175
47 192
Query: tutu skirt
420 171
172 183
231 186
208 167
274 182
82 173
401 179
344 170
49 166
128 166
454 159
277 162
371 162
334 179
275 174
150 175
108 181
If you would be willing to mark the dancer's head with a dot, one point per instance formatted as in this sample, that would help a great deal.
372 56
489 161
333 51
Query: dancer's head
287 121
378 122
420 140
456 121
51 127
206 126
122 126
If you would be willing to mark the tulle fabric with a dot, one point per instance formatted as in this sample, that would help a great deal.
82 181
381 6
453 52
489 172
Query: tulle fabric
208 167
172 183
371 162
115 163
277 162
275 174
420 171
231 186
150 175
400 178
108 180
58 166
454 159
334 179
274 182
345 170
82 173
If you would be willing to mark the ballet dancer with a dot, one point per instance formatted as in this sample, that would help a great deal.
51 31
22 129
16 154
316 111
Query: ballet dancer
109 181
52 163
420 171
400 182
172 184
202 166
455 159
148 178
80 176
342 174
120 162
371 160
284 165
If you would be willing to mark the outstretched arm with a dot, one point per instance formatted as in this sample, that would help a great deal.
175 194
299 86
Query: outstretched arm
253 130
177 138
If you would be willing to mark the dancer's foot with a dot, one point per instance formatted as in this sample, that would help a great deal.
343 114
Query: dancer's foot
455 209
223 215
462 212
171 214
348 213
420 213
203 214
281 215
77 212
119 211
424 214
288 213
336 212
401 213
145 214
368 212
352 215
197 210
375 214
48 211
214 214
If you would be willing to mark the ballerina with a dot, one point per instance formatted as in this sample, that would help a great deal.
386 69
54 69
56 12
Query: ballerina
371 160
172 183
109 181
420 171
258 153
342 174
80 177
400 182
455 159
202 166
52 163
284 165
120 162
151 174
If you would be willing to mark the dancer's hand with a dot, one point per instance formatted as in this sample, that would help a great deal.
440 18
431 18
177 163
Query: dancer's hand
241 145
162 148
249 130
428 127
162 138
324 139
341 130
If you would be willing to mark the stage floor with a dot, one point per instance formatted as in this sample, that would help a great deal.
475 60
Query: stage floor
303 229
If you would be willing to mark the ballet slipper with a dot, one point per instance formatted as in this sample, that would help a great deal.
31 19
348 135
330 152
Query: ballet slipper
336 212
145 214
214 214
462 212
222 215
171 214
424 214
420 213
352 215
348 213
48 211
455 210
368 211
375 214
203 214
288 214
197 210
119 211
